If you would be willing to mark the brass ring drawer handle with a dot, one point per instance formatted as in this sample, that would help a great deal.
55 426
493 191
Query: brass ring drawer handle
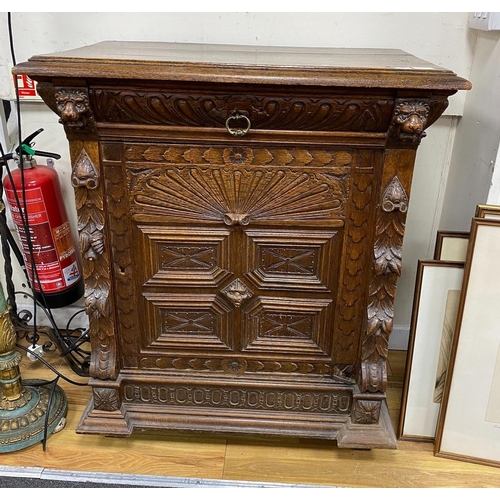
238 132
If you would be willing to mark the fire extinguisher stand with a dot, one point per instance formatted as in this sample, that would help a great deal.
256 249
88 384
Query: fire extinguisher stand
29 411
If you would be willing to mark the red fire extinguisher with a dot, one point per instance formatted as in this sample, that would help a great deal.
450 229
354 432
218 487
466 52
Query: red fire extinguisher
34 197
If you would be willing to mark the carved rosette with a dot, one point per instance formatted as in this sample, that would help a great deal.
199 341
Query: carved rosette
96 265
366 411
106 399
382 290
73 107
409 121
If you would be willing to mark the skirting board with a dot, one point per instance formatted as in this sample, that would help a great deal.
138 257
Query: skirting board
398 341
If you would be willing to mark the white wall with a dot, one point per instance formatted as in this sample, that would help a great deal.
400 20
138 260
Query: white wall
441 38
477 139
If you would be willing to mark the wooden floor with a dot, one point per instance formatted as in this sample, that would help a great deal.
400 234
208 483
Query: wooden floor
296 461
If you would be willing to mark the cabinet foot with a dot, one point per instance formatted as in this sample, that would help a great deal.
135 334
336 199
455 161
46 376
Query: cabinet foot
109 423
367 436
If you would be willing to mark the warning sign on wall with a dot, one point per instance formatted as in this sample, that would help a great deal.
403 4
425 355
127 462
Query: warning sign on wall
27 87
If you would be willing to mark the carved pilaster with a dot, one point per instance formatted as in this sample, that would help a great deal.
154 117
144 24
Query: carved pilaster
356 257
388 245
96 262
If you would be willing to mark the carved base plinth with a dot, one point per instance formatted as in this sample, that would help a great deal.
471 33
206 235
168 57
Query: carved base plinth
231 406
129 417
103 414
368 436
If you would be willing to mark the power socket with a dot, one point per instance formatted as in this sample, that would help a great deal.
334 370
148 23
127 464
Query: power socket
36 349
486 21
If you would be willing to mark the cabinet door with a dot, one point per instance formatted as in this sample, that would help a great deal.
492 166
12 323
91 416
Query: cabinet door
235 255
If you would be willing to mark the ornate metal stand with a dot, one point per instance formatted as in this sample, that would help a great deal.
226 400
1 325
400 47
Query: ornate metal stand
29 411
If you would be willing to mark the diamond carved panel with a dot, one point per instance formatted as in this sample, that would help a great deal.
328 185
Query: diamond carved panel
298 260
184 257
189 321
287 325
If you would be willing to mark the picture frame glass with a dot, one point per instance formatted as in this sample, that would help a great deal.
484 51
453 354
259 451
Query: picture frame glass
451 246
454 249
469 422
433 322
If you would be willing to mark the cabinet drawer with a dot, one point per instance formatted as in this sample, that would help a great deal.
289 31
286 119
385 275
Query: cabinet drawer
318 110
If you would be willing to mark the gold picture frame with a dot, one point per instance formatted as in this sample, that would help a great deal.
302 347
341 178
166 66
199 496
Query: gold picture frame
435 309
468 426
488 212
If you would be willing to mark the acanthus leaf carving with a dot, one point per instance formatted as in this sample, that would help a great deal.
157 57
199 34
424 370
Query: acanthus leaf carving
96 269
91 219
265 112
387 267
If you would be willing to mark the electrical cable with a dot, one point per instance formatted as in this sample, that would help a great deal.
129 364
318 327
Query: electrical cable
35 279
78 358
21 166
51 367
53 383
66 344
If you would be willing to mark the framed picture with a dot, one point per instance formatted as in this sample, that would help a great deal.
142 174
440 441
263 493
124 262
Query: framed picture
469 420
488 212
435 309
451 245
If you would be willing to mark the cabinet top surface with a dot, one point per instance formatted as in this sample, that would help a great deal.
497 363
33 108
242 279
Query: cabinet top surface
244 64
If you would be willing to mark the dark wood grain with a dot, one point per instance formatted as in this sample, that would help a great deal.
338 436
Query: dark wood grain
369 68
245 282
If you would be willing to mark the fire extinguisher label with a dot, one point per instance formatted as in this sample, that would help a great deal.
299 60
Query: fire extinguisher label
63 241
71 274
51 246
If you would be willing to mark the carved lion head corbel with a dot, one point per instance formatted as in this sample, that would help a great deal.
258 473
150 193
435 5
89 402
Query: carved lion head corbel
73 107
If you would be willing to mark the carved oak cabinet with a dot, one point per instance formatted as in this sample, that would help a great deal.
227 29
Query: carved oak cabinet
241 213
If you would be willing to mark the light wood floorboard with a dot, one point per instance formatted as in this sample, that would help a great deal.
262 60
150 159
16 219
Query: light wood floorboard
286 461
